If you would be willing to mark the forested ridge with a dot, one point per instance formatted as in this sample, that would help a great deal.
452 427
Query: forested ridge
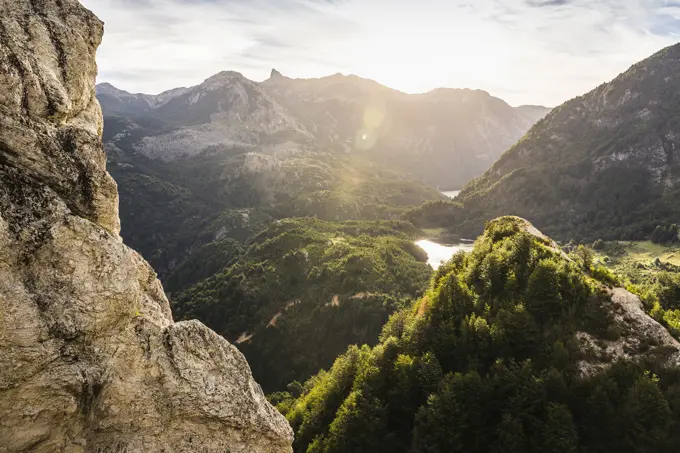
490 360
302 291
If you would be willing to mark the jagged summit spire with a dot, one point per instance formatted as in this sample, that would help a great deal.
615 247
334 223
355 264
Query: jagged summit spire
275 74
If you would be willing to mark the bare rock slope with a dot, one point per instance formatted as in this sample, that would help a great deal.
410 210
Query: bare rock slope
442 138
90 358
603 165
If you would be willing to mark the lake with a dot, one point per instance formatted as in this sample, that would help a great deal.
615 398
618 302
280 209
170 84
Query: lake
452 193
438 253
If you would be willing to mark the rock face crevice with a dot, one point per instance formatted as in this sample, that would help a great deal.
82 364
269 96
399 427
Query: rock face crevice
90 358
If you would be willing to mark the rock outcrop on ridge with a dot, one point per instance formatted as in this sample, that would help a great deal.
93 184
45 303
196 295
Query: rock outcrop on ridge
90 358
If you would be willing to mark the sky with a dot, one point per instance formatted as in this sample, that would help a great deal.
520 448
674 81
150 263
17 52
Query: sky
523 51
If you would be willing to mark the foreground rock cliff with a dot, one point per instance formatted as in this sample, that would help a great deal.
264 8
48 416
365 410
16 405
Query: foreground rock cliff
90 358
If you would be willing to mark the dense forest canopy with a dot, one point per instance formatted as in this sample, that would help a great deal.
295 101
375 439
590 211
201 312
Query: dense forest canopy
490 359
302 291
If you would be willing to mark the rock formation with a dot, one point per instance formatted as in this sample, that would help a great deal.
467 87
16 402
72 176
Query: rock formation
90 358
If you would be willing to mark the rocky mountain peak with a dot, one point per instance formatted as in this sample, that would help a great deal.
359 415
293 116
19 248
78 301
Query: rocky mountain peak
167 96
275 74
90 358
459 92
223 78
106 87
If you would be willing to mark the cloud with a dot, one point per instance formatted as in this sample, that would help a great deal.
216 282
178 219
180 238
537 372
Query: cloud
524 51
152 45
541 3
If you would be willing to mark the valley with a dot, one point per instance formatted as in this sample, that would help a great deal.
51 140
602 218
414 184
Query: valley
301 223
170 208
275 267
232 190
211 174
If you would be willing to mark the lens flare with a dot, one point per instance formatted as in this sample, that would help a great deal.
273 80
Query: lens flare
373 118
365 139
368 135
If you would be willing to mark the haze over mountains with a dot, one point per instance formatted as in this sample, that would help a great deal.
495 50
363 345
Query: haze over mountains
203 170
337 148
442 138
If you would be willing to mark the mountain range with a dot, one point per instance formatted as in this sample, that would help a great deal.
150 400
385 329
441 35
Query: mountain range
602 165
517 345
201 167
442 138
208 174
337 148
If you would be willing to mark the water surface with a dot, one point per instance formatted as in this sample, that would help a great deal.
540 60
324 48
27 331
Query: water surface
452 193
439 253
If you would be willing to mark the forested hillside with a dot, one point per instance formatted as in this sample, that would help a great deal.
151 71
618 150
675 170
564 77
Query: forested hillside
516 347
603 165
302 291
171 208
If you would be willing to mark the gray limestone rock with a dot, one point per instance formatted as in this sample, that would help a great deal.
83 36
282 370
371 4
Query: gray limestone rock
90 358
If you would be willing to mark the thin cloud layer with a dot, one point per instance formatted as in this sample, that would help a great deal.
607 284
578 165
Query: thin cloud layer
524 51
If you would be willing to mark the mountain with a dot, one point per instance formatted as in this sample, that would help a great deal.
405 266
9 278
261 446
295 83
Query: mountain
115 101
226 110
209 174
90 357
208 177
516 347
443 138
191 162
462 131
533 112
602 165
336 148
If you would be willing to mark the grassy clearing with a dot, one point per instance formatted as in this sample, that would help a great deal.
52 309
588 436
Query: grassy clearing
652 272
637 254
646 252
